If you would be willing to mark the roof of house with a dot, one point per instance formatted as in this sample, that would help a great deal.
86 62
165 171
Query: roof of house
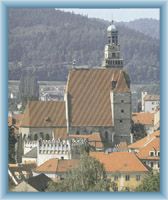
153 145
94 139
152 98
31 154
145 118
23 187
117 162
144 141
89 95
39 182
60 133
44 114
57 166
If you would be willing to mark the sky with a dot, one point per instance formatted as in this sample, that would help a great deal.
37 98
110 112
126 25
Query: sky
118 15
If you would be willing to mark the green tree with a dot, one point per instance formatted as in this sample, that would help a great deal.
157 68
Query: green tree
151 183
139 131
12 141
89 176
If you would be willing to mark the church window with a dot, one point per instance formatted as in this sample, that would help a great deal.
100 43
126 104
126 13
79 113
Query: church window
106 135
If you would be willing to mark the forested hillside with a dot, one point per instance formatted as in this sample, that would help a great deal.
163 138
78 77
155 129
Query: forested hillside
150 27
50 40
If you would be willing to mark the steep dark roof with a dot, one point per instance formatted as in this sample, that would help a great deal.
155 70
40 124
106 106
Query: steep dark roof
39 182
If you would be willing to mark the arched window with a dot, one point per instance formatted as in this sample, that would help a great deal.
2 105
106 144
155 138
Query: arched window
35 137
47 136
42 135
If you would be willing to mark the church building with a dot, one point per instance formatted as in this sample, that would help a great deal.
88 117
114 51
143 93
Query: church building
95 100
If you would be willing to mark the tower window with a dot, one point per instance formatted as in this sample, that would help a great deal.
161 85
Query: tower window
122 101
121 120
122 111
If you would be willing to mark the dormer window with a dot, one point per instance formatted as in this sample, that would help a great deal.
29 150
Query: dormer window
152 153
114 84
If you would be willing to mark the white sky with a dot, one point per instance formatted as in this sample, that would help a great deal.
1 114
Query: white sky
119 14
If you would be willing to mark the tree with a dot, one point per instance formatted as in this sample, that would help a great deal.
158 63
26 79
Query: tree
12 142
89 176
139 131
151 183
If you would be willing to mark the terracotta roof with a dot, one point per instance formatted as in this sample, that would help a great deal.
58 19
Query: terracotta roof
94 139
57 166
154 145
50 166
66 165
152 98
89 95
120 162
60 133
144 141
44 114
146 118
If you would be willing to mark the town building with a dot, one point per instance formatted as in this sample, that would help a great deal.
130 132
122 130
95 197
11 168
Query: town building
150 121
148 150
150 103
123 168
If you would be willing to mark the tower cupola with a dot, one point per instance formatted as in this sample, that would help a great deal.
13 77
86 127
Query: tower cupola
112 58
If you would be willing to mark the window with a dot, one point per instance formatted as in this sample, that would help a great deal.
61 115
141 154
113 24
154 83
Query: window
62 158
151 164
138 177
122 111
41 135
115 188
122 101
158 165
115 178
121 120
106 135
152 153
127 189
35 137
47 137
127 177
158 153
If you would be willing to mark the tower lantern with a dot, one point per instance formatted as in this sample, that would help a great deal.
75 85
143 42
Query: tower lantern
112 58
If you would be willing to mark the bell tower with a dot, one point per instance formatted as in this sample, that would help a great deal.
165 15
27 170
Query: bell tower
112 57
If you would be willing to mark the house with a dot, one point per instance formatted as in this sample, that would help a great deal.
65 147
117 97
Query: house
124 168
148 150
150 121
56 169
150 103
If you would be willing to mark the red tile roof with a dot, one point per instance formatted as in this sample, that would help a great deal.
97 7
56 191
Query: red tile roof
44 114
57 166
89 95
144 141
145 118
119 162
154 145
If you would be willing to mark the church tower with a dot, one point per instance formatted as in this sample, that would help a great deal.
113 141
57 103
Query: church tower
112 57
